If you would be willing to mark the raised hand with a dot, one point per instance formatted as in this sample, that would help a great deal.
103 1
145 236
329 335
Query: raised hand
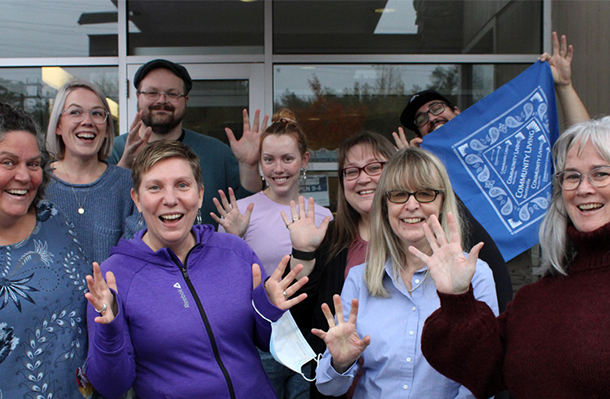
342 339
304 233
450 269
99 294
278 289
561 60
134 142
401 139
230 217
247 149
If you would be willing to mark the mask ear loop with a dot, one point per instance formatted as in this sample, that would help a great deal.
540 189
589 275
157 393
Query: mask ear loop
317 358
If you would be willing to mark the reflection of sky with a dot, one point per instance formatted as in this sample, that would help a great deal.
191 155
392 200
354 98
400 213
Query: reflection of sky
338 77
44 28
399 20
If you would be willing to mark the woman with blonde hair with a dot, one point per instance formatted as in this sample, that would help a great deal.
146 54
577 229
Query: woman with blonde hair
92 193
386 300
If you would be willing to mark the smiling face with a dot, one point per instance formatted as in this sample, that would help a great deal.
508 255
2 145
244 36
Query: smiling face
83 139
359 193
168 198
407 219
281 163
588 206
20 175
160 114
435 121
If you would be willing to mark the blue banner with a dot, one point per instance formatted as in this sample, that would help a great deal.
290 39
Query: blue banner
498 155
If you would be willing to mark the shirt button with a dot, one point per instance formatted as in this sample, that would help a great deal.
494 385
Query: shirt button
405 387
408 360
417 281
411 333
414 308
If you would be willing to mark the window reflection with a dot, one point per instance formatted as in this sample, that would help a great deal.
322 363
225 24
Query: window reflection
334 102
195 27
58 28
407 27
34 89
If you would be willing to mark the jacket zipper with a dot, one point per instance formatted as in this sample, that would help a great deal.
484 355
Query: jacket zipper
204 317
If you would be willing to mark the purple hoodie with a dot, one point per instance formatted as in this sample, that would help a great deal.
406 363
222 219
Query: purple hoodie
183 336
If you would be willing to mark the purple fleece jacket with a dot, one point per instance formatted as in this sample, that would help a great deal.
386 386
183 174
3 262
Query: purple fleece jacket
159 342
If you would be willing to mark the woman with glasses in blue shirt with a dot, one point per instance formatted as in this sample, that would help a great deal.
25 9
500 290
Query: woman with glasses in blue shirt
93 194
384 302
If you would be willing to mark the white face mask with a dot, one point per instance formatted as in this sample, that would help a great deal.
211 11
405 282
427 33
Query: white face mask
288 345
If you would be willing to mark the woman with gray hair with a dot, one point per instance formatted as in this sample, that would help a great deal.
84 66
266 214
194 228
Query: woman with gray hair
92 193
552 340
386 300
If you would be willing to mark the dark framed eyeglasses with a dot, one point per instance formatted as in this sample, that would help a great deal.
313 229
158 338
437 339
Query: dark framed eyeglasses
570 179
154 95
371 169
77 114
421 196
435 109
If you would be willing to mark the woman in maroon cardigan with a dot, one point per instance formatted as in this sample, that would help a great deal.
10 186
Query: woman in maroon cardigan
552 341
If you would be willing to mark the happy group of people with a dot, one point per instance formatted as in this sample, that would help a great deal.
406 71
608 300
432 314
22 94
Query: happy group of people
114 278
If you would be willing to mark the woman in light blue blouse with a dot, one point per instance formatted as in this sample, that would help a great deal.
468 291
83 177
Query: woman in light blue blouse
384 302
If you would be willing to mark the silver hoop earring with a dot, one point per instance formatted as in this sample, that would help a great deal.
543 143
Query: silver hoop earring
140 221
198 216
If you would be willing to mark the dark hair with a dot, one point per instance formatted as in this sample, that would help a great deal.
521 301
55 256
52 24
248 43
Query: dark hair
160 150
16 120
346 220
284 122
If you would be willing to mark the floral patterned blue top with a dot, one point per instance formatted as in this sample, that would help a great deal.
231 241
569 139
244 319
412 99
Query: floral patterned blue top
43 334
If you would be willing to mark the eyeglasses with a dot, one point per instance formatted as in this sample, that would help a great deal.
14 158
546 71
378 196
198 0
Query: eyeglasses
371 169
421 196
77 114
154 95
435 109
570 179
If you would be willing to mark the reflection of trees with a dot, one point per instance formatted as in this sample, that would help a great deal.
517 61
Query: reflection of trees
328 118
27 96
36 98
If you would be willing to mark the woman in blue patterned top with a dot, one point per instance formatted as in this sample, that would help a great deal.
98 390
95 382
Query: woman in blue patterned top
43 335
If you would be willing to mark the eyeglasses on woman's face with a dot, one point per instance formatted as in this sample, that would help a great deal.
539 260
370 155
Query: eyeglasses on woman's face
421 196
570 179
371 169
77 114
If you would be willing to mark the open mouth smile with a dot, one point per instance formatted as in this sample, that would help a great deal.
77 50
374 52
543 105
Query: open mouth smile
171 217
589 207
412 220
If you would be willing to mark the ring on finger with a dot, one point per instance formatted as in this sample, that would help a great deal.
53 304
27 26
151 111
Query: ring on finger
102 310
285 295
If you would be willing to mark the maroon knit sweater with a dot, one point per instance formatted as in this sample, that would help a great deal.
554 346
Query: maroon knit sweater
553 340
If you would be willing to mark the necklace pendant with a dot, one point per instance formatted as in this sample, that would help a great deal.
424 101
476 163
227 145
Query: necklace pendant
81 211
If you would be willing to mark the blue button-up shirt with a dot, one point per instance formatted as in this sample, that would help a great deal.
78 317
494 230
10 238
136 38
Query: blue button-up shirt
394 366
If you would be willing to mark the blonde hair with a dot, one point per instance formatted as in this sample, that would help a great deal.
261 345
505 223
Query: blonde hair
55 144
410 169
557 249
